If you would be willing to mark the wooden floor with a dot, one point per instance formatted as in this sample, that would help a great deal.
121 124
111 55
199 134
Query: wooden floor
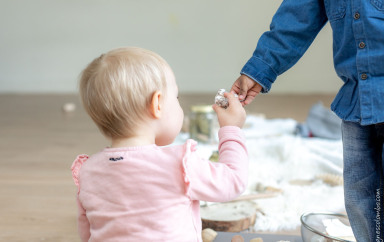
38 143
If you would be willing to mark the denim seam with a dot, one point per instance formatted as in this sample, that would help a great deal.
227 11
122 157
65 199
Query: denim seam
339 13
378 4
267 65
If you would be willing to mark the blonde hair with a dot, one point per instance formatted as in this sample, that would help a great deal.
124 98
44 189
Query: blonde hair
117 87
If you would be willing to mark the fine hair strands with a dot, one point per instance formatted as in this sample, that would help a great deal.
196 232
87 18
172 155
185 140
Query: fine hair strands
116 89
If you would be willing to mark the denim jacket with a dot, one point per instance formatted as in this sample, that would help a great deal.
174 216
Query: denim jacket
358 51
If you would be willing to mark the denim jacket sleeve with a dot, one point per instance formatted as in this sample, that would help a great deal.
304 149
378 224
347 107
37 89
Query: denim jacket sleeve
294 27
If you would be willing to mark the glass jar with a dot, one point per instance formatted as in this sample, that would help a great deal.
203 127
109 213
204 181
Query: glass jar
202 122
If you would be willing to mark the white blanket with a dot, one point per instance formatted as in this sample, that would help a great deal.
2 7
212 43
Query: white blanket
278 156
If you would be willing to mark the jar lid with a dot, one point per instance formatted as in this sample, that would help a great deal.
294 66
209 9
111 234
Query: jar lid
202 109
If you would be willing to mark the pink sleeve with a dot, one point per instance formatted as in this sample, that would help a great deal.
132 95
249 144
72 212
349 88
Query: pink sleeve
222 181
82 221
83 225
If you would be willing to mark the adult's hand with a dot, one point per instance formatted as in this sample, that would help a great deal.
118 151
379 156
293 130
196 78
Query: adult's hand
246 88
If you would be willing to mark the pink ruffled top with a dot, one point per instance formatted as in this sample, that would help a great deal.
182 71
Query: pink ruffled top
152 193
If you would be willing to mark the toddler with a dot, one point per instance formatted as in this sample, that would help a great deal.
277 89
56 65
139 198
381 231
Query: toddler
139 188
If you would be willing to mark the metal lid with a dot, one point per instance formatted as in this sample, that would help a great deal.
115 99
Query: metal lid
202 109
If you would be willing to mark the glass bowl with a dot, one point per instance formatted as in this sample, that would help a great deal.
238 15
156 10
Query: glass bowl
326 227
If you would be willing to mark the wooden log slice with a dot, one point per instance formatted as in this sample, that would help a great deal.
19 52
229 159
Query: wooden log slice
229 217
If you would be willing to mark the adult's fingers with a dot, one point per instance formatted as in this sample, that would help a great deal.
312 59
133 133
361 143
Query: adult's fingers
243 84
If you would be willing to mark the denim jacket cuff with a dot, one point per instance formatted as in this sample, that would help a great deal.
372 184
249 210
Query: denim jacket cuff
260 72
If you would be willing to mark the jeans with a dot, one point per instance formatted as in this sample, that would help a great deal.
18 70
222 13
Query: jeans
363 180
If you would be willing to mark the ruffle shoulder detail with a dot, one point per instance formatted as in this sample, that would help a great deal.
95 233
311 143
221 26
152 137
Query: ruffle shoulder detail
76 165
189 148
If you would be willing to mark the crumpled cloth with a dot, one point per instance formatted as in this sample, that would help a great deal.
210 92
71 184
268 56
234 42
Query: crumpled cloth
321 122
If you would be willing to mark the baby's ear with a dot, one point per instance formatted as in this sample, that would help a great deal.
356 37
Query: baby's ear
155 107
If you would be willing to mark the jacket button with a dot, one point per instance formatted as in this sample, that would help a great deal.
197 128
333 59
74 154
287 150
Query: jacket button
356 15
361 45
364 76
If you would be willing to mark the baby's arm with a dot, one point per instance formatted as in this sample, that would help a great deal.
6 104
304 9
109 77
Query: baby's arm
224 180
82 223
227 179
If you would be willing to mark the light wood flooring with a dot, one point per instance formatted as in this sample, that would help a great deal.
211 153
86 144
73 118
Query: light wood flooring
38 143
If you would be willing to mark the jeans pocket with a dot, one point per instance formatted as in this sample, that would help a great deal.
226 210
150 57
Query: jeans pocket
379 4
336 9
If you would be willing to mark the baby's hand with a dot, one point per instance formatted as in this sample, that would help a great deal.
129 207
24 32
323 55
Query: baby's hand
233 115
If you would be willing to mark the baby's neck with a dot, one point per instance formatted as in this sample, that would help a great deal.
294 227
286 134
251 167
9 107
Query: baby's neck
132 141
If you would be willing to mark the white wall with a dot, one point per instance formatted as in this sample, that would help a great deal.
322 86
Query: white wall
44 44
